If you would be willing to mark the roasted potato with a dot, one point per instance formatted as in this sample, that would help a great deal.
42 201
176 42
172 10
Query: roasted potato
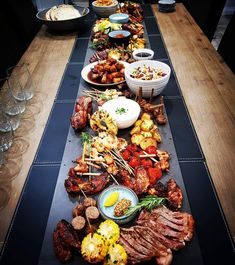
154 128
145 116
147 125
149 141
137 138
136 129
138 123
156 135
146 134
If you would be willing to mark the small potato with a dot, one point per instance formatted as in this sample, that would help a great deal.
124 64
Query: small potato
136 129
157 136
147 125
154 128
149 141
145 116
138 123
146 134
137 138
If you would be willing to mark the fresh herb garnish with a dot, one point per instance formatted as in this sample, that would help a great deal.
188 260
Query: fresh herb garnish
86 138
149 202
120 111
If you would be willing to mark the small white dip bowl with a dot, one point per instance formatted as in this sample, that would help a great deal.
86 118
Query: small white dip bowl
123 110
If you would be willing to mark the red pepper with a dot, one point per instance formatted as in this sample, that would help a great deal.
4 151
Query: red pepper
146 162
154 173
126 154
151 150
132 147
134 162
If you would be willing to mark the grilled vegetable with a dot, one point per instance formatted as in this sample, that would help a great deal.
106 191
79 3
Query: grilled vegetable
116 255
147 125
110 231
137 138
94 248
149 141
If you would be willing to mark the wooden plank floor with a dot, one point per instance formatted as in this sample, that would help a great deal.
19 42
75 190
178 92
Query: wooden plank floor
208 87
47 57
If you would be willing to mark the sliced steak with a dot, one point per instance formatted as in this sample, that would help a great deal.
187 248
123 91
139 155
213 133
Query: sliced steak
62 252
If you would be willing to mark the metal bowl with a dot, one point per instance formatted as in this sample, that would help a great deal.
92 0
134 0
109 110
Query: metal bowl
65 25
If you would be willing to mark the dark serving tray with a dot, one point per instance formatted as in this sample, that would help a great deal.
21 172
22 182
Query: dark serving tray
62 204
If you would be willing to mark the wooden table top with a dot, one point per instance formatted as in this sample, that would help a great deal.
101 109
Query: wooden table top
207 84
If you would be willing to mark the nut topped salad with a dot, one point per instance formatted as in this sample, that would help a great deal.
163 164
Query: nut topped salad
147 73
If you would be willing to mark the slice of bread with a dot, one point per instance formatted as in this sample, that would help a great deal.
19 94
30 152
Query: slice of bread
62 12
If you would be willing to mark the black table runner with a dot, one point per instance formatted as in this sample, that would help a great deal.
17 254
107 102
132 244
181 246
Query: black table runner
27 232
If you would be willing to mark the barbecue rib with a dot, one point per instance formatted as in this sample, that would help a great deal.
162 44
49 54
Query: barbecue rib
65 241
156 234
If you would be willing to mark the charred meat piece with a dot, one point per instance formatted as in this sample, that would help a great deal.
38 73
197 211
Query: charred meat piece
141 180
65 241
174 195
74 185
171 191
83 109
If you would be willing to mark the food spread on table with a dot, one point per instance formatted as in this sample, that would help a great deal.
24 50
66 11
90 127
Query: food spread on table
95 232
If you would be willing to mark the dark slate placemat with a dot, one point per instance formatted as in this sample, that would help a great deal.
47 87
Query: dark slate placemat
157 45
69 86
216 244
186 142
51 147
78 55
24 242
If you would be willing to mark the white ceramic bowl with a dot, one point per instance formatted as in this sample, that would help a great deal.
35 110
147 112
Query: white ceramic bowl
105 11
123 110
138 54
147 85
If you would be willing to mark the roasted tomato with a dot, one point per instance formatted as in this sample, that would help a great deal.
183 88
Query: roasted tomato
151 150
132 147
154 173
126 154
134 162
137 154
146 162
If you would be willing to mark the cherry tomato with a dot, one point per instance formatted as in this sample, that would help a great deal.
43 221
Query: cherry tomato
151 150
132 147
154 173
126 154
134 162
146 162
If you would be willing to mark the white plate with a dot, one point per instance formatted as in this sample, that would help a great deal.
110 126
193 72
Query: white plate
87 69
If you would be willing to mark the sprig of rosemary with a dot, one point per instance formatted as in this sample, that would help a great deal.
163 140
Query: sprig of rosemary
149 202
86 138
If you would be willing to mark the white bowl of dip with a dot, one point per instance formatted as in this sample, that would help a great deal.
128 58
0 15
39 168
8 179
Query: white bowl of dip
123 110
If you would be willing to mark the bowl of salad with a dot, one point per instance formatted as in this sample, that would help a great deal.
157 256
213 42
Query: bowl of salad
147 74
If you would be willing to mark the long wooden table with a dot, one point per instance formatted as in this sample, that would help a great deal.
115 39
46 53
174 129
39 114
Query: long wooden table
207 84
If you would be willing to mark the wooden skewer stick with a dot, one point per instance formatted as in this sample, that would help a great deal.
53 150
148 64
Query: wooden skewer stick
156 106
88 174
83 193
154 160
148 155
94 159
114 179
93 165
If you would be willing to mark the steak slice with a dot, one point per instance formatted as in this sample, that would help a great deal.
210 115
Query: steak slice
133 255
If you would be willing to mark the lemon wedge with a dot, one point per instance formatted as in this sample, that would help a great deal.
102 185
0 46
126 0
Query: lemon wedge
111 199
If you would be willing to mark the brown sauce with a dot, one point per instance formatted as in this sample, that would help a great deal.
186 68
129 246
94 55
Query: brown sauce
143 54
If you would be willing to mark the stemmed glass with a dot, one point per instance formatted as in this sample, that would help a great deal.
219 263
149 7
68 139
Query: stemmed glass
20 82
